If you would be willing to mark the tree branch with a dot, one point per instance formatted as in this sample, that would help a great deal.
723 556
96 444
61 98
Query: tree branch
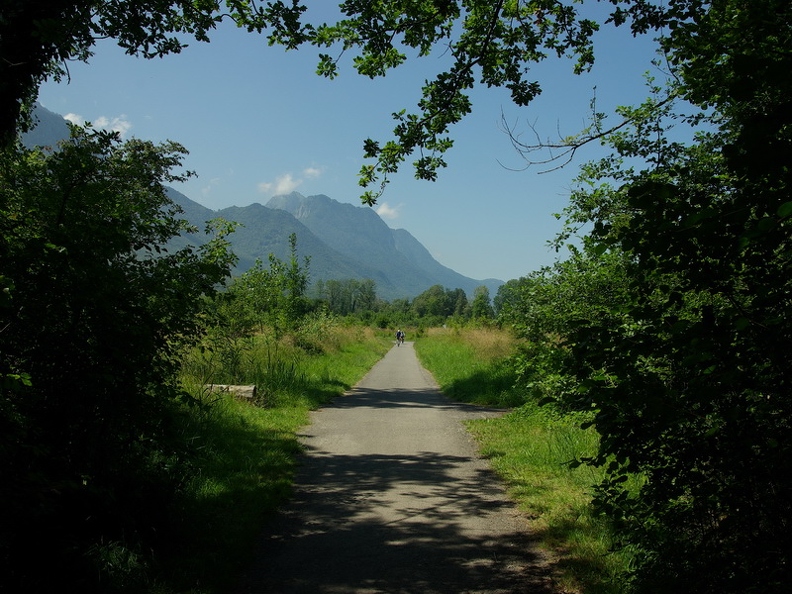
568 147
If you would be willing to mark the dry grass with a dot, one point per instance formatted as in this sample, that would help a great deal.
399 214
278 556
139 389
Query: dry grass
490 344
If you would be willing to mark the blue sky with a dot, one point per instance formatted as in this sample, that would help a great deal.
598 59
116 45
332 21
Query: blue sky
257 122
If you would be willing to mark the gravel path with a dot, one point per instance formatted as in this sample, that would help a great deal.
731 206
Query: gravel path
391 497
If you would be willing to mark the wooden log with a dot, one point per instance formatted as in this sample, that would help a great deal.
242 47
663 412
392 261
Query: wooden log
240 391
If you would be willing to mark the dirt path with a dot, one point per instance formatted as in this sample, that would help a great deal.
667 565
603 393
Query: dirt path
391 497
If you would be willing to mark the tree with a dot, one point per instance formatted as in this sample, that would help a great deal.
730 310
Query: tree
685 369
94 318
482 42
548 306
266 297
481 308
433 302
507 297
349 296
367 296
682 366
461 308
488 43
293 286
494 42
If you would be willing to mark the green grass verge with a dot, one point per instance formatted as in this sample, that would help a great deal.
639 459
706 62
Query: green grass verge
471 365
245 454
529 448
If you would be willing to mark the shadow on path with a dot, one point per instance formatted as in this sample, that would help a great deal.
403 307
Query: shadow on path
391 497
428 397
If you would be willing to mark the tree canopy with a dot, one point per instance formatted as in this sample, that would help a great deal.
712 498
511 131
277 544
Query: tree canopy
492 44
666 328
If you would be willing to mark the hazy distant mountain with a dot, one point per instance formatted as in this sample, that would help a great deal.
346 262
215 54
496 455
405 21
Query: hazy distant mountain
420 256
342 240
50 128
265 231
361 235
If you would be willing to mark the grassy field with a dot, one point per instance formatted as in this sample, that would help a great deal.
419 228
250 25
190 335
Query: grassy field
246 453
529 448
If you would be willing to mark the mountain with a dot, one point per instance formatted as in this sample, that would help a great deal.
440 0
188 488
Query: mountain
343 241
420 256
49 128
363 237
264 231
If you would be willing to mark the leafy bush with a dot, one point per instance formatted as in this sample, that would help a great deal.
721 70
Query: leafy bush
94 319
675 331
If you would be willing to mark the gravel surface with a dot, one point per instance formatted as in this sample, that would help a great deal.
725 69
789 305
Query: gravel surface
392 497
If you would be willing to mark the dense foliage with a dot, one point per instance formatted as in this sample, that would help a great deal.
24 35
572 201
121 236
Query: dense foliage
93 320
475 42
494 39
271 297
671 325
348 296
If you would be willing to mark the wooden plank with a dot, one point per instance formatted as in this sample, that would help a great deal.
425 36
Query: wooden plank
240 391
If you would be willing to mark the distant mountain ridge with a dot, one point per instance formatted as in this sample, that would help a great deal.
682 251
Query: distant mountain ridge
343 241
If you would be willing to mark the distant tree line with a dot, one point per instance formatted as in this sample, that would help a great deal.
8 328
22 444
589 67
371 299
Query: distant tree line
437 305
277 297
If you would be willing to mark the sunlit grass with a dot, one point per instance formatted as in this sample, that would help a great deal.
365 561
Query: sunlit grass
471 365
530 448
531 452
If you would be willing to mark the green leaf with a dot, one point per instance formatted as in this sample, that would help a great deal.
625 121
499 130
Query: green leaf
785 210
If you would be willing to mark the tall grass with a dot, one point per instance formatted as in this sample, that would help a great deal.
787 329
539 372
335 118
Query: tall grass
471 364
244 453
530 447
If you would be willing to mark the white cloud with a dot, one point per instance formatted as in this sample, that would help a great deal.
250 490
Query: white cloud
386 211
74 119
284 184
207 189
287 183
117 124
